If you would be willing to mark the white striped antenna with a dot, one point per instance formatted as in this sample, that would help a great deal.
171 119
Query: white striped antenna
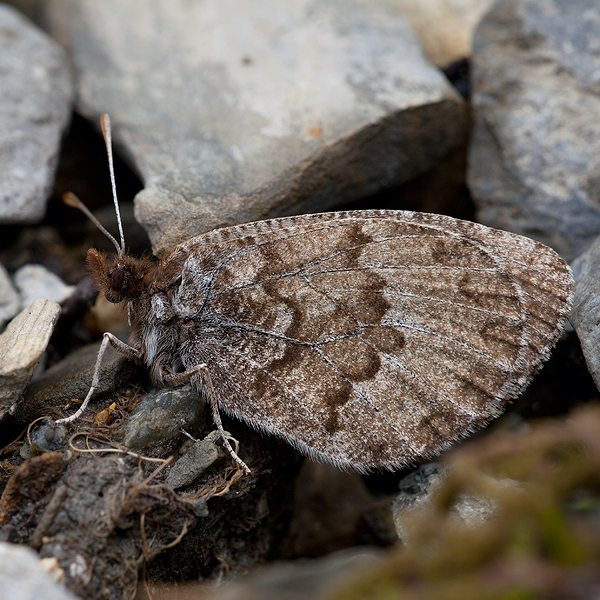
106 132
72 200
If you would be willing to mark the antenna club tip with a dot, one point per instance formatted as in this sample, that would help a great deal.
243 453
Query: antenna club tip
105 124
70 199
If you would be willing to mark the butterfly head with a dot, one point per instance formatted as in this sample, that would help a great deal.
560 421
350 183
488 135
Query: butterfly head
118 277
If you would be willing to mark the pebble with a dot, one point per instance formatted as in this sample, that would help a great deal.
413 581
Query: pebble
35 109
196 461
9 298
586 307
24 576
161 416
533 158
417 491
289 107
21 347
35 282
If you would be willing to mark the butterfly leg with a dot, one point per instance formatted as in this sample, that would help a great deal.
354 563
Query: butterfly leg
118 345
181 378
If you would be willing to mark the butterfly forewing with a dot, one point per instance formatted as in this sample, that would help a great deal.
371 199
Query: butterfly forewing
369 338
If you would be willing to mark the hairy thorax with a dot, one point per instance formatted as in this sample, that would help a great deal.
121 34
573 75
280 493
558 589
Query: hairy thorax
168 326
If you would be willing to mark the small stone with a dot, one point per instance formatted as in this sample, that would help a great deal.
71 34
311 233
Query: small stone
52 567
418 489
161 416
24 577
533 157
198 459
8 533
35 108
35 282
25 451
586 307
201 507
21 347
9 298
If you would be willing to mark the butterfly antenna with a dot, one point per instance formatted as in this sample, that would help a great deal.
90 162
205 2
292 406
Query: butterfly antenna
106 132
70 199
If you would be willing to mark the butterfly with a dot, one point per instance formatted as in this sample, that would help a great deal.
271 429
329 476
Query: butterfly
366 339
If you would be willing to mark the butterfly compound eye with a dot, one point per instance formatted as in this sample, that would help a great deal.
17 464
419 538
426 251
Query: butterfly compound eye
116 280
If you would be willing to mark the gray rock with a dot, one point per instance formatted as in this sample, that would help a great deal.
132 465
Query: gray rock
288 107
198 459
25 451
416 490
161 416
533 160
303 579
70 379
21 347
416 494
586 307
35 282
23 576
35 108
9 298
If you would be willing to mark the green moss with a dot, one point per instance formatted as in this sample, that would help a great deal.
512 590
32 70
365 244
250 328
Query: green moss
563 545
544 536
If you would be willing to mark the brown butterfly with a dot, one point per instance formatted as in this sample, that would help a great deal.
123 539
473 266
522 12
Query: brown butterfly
365 339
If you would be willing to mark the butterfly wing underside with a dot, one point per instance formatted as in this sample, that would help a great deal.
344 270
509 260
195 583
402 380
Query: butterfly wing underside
371 338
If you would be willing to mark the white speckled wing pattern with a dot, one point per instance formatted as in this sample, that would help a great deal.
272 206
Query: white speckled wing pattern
369 338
